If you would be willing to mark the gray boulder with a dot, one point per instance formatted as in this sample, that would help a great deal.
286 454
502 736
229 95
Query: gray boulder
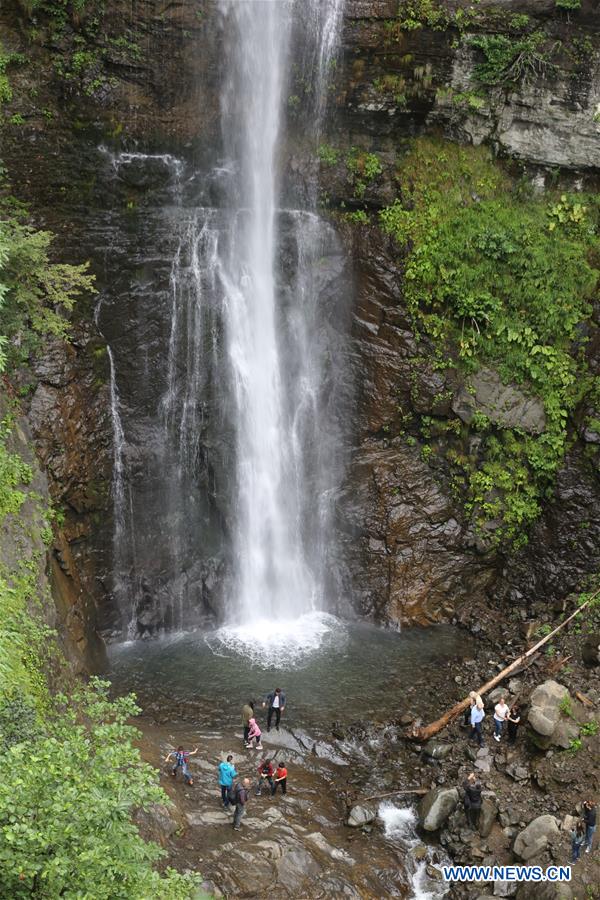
536 837
435 750
361 815
564 733
436 806
487 816
504 404
544 708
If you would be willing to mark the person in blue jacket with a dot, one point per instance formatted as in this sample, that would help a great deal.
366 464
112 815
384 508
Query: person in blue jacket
276 703
477 717
226 775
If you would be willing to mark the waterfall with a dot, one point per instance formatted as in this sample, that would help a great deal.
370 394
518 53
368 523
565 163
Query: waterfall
275 351
231 405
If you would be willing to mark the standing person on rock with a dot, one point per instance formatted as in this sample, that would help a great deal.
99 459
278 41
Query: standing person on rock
512 723
226 775
276 702
473 698
472 799
501 712
247 714
254 733
477 717
182 758
589 818
240 798
280 779
577 839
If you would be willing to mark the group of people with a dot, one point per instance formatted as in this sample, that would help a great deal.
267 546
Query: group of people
503 715
234 795
252 732
582 834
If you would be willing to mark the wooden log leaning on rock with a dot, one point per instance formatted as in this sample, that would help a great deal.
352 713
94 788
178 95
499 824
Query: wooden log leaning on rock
423 733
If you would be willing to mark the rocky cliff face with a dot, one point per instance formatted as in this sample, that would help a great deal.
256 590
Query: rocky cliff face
148 81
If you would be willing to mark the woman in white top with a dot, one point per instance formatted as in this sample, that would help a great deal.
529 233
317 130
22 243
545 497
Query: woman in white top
501 713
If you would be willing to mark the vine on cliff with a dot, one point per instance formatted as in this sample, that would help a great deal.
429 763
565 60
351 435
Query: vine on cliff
496 277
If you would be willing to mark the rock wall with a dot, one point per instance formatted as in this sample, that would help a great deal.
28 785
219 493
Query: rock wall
60 600
151 83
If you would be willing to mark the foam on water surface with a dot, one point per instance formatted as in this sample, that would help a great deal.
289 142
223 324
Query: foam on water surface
279 642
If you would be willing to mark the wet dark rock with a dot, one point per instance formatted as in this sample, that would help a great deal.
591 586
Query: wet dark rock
157 823
590 651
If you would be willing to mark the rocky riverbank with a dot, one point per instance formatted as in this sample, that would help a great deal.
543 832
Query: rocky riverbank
326 838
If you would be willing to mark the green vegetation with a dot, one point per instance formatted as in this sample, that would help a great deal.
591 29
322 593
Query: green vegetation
569 5
508 60
357 217
362 168
68 791
566 707
499 278
328 155
34 291
414 14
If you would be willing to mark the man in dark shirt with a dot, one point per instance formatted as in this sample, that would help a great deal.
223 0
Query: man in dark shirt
276 703
241 798
472 799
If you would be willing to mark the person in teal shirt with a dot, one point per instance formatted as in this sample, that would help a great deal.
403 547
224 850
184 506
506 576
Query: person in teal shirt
226 775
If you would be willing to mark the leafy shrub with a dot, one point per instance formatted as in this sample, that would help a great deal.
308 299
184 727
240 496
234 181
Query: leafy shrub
66 800
33 289
508 60
494 278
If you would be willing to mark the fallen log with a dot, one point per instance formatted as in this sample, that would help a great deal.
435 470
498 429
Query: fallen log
419 791
423 733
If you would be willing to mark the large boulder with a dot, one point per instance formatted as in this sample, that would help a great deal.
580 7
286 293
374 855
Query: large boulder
436 806
536 837
545 709
487 815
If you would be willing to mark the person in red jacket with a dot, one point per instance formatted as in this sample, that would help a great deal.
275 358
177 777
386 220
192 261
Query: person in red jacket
280 779
265 773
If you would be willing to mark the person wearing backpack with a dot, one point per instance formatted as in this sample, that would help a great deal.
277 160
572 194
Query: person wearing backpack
247 714
182 758
240 792
276 702
226 775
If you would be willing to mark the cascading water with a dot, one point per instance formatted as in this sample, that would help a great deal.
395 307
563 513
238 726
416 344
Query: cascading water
235 445
275 352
